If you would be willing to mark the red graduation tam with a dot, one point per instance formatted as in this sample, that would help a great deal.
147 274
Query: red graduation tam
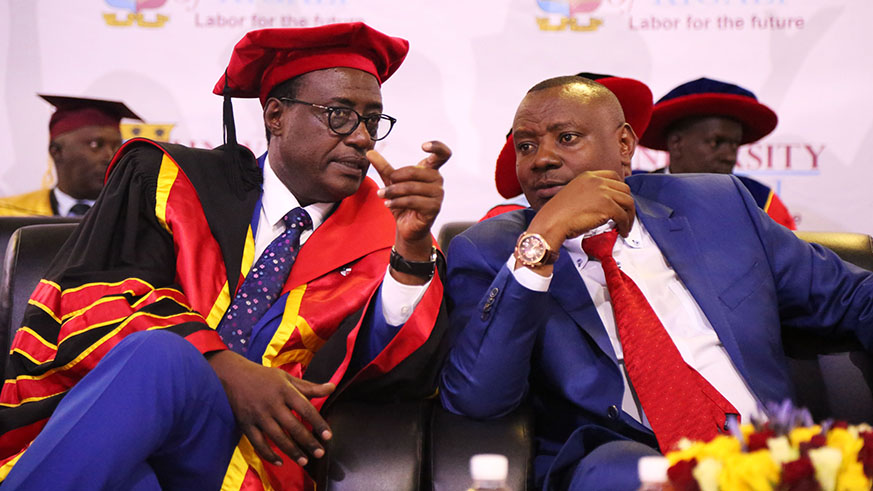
73 113
708 97
265 58
635 98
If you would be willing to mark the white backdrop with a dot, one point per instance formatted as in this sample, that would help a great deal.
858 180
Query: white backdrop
469 65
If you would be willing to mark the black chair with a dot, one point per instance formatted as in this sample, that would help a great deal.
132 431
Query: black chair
454 439
8 225
449 231
376 446
833 376
30 250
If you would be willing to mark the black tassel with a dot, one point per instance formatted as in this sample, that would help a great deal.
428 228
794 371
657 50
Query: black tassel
243 173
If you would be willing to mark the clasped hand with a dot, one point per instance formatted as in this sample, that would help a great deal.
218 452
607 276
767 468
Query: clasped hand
588 201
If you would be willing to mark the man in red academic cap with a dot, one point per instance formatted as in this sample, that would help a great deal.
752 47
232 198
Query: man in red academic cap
702 124
635 98
211 304
83 136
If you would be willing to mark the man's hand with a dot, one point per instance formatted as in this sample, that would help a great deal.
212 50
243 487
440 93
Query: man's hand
262 399
414 195
588 201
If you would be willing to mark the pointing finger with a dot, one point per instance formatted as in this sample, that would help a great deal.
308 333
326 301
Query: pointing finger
439 154
381 165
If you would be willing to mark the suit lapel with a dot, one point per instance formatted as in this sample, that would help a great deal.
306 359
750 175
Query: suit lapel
681 248
569 291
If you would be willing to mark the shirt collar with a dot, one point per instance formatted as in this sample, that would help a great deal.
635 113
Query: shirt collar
65 202
278 200
634 240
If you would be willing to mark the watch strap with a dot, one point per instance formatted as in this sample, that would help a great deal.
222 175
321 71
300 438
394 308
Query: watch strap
423 269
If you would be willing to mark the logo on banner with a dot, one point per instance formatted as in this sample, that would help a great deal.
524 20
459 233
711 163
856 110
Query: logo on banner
137 13
576 15
156 132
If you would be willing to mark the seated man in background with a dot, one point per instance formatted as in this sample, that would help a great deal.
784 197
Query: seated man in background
83 136
635 98
701 125
620 362
209 295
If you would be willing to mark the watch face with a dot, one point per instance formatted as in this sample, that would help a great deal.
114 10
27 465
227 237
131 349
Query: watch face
532 249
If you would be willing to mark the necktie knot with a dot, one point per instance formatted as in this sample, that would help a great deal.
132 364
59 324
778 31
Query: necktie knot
79 209
297 218
600 246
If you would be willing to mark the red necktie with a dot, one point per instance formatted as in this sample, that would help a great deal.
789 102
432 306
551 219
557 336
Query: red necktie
678 401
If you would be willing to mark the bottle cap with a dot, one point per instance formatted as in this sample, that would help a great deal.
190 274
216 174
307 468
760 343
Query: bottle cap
489 467
653 468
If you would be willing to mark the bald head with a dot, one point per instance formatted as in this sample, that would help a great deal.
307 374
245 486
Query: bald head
565 126
588 92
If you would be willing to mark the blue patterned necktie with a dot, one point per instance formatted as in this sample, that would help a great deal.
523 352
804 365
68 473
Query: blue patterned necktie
264 283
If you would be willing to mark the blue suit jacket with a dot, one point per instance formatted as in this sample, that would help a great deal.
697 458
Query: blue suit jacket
749 275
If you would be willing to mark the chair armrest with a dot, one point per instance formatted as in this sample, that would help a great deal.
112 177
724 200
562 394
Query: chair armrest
454 439
374 446
833 376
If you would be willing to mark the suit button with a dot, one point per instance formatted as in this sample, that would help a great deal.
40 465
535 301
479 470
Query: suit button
612 412
493 293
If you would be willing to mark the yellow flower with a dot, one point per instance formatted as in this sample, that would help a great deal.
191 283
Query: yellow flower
747 429
844 441
718 448
803 434
706 473
781 450
852 477
754 471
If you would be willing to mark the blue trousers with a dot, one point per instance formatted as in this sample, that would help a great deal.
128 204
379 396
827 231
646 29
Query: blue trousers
151 415
609 467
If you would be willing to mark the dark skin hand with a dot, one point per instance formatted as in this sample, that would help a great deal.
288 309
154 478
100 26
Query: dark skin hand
414 194
263 398
588 201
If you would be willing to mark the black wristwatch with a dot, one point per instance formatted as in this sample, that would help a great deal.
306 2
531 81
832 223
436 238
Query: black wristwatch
424 269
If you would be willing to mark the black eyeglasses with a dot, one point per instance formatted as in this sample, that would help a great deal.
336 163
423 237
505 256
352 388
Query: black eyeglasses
343 120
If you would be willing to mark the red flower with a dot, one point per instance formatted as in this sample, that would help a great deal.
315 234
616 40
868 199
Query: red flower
681 477
865 455
758 440
799 475
840 424
817 441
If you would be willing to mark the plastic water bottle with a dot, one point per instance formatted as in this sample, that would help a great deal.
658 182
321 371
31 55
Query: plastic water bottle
489 472
653 473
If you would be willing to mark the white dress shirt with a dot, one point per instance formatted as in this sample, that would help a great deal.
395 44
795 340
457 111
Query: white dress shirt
640 258
66 202
398 300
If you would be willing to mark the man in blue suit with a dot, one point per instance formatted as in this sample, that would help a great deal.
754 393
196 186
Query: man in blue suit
532 317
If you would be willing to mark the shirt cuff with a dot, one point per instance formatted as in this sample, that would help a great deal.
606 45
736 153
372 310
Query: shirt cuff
527 278
399 300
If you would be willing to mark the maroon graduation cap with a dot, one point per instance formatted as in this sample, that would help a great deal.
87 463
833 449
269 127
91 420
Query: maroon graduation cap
72 113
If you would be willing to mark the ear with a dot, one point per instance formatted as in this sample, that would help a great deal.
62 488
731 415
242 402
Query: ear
273 111
674 145
55 150
627 145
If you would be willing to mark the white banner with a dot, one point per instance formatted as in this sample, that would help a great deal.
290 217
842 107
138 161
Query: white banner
469 65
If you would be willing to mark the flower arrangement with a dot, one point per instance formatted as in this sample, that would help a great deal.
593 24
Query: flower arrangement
786 451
